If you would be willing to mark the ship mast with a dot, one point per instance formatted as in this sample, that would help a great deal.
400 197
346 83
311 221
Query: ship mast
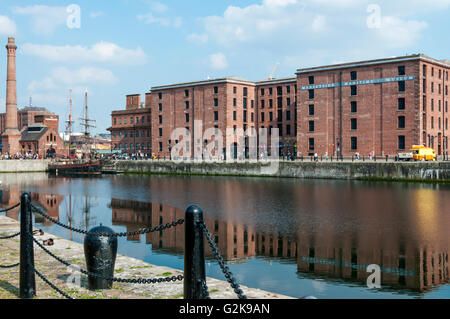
69 124
85 121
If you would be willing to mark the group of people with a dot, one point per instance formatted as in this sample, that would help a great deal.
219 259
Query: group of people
25 155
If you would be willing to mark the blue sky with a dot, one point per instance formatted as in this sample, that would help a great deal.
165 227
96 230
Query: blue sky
119 47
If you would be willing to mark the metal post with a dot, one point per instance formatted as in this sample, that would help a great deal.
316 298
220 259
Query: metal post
100 254
194 255
27 276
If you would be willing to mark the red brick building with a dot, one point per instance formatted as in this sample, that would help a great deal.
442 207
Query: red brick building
380 106
31 115
41 140
219 104
277 108
131 128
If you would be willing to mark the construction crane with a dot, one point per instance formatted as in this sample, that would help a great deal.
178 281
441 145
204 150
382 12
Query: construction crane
273 71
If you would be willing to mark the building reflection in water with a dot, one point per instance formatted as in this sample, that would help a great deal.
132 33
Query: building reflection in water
10 196
331 231
332 254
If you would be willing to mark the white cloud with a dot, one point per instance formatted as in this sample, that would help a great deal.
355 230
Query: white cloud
198 38
158 7
7 26
279 3
96 14
399 33
44 19
287 29
149 18
105 52
218 61
319 23
46 84
84 75
62 78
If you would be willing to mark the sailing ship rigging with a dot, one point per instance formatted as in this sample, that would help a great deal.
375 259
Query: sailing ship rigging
80 164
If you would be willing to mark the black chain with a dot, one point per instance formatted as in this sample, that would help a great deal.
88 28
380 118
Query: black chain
124 234
10 236
205 290
222 263
50 284
9 208
17 234
131 281
10 266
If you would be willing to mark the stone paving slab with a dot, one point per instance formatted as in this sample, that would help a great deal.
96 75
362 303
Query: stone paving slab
125 267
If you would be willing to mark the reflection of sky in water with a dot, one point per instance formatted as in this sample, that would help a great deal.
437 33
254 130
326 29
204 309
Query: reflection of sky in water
410 213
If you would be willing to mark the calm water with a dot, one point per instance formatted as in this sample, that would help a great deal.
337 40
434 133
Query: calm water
293 237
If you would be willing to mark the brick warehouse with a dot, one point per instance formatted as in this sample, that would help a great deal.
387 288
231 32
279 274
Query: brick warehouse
131 128
379 106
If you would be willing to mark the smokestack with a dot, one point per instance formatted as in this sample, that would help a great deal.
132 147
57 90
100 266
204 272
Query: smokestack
11 136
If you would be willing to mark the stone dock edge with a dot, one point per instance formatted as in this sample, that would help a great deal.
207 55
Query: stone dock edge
125 267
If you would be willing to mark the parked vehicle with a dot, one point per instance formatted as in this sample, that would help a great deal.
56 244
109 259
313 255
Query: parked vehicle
422 153
405 157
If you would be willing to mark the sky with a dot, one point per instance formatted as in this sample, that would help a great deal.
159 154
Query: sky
112 48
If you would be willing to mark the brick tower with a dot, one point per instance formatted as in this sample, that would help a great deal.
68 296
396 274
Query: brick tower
11 136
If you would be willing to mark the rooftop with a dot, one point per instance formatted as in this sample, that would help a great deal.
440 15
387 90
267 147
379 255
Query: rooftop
204 82
444 63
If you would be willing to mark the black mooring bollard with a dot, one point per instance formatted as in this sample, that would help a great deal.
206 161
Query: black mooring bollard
27 276
194 255
100 253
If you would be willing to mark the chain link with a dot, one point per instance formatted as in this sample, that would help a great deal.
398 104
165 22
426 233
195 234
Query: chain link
10 236
222 264
10 266
9 208
205 290
131 281
124 234
50 284
17 234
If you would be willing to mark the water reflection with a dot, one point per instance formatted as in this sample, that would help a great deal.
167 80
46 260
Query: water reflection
329 231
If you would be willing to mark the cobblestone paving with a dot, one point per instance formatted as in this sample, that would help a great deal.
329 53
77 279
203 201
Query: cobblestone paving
62 276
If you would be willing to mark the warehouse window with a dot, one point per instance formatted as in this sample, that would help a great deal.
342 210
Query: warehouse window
311 144
354 124
401 70
401 86
354 143
401 122
354 106
401 142
401 103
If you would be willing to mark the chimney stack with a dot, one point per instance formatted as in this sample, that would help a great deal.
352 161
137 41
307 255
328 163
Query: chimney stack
11 136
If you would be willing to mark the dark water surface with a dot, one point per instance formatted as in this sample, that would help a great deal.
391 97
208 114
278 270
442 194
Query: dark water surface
289 236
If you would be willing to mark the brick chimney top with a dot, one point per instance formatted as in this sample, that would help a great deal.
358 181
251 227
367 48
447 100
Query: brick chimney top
11 43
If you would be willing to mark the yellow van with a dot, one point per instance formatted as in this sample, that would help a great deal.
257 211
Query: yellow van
422 153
